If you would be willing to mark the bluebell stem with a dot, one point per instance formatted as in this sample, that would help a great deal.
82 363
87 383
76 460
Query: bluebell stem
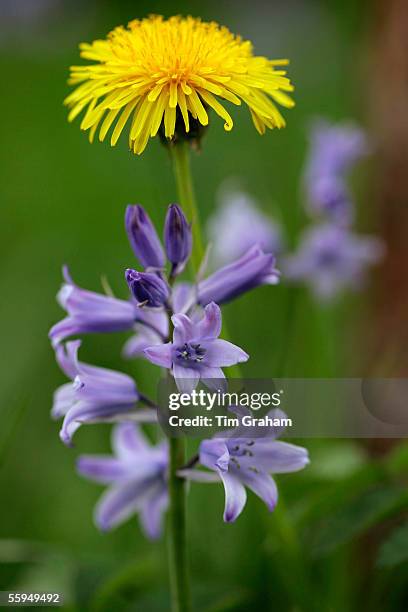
147 288
177 238
143 237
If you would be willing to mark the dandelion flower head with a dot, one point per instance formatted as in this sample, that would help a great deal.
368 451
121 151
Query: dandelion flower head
158 73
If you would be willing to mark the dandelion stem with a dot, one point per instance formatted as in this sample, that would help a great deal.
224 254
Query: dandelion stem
182 172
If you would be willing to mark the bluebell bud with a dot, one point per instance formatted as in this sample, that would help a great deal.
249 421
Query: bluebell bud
143 237
147 288
177 236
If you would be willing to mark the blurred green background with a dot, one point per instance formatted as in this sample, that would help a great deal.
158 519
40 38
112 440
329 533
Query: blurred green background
342 543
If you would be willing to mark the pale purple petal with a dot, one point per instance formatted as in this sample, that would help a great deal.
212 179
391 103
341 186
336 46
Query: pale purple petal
213 378
279 457
221 353
182 297
210 324
235 496
183 329
64 399
128 440
263 485
160 355
151 514
101 469
198 476
186 378
214 454
119 502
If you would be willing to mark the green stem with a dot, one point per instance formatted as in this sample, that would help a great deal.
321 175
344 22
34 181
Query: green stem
179 578
182 171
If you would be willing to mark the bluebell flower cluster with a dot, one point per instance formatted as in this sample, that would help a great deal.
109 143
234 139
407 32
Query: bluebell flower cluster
176 325
331 256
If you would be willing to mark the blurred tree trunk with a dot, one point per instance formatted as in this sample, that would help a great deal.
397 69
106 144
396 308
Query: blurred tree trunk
388 105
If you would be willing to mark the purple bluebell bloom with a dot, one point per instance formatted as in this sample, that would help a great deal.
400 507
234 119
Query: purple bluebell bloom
148 289
241 461
334 149
253 269
153 330
177 238
90 312
95 394
238 225
196 351
143 237
331 258
137 480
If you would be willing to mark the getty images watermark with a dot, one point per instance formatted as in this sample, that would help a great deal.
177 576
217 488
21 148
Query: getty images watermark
305 408
210 401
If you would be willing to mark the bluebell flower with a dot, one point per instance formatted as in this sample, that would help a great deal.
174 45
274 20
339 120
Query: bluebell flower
95 394
90 312
147 288
239 224
251 270
334 149
196 352
143 237
240 461
331 258
137 480
177 238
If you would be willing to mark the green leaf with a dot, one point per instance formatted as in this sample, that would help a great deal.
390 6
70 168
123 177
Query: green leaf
355 517
395 549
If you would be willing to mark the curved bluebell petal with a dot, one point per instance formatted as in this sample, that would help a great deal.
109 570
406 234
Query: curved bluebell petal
186 378
83 412
263 485
119 502
64 398
213 378
210 325
160 355
214 454
279 457
128 440
183 297
151 514
101 469
183 329
221 353
235 496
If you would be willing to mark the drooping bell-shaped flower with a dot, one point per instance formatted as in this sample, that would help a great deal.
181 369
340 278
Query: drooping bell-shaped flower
241 461
137 479
252 270
91 312
95 394
147 288
143 237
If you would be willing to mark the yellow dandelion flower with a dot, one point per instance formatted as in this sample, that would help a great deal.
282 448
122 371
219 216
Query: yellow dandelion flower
158 70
